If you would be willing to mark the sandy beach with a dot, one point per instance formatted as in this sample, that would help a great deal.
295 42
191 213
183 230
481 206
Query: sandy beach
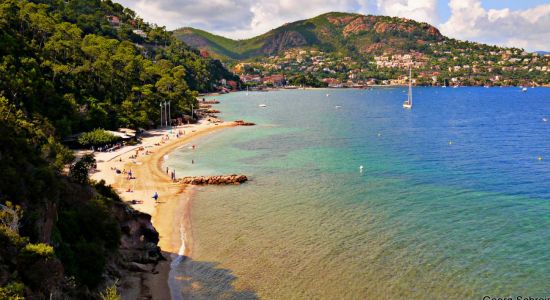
170 214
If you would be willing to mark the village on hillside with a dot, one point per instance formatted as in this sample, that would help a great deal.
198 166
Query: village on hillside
446 64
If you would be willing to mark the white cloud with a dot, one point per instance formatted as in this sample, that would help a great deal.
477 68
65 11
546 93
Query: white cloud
212 14
246 18
420 10
524 28
239 18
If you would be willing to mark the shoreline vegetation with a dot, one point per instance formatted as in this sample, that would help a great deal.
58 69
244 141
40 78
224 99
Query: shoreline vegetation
170 213
72 69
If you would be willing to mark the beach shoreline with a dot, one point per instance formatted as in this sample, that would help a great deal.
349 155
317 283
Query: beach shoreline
171 214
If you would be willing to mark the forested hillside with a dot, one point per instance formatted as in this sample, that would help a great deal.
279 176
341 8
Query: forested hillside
346 33
68 62
66 67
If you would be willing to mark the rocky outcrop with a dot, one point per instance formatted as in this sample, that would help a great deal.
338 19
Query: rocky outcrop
139 238
407 26
138 256
340 20
215 180
244 123
210 102
282 41
359 25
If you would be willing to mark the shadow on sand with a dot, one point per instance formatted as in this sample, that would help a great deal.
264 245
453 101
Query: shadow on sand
190 279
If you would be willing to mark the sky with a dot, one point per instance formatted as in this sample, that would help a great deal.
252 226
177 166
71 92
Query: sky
517 23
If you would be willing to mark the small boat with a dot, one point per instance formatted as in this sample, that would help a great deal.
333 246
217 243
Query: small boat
338 106
544 119
524 89
262 105
328 95
409 103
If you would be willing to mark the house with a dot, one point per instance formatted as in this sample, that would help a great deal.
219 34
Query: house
204 53
140 33
275 80
332 82
251 78
232 84
113 20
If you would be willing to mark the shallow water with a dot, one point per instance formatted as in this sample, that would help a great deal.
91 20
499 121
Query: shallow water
452 203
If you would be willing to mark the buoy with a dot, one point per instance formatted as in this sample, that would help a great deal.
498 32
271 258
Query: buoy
450 142
328 95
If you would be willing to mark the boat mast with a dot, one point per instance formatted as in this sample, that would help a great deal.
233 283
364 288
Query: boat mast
410 87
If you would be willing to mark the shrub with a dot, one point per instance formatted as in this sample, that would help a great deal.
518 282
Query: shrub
12 291
32 252
110 293
79 170
97 137
87 236
39 268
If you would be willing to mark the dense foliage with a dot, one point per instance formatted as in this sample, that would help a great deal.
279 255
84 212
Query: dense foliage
97 137
65 61
306 80
83 232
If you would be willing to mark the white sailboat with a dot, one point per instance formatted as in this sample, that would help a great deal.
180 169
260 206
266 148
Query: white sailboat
409 103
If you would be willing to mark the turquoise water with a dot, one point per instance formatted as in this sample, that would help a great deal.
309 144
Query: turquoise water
453 201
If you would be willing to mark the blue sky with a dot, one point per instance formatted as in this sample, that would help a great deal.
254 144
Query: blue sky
518 23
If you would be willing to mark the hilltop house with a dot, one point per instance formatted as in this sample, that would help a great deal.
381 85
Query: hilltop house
113 20
140 33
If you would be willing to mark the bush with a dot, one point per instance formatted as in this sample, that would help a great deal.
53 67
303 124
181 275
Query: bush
97 137
79 170
110 293
87 236
12 291
39 268
34 252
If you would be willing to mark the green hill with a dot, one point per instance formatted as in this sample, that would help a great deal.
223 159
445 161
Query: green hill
345 32
356 50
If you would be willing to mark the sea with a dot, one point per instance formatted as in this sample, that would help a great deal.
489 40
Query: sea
453 200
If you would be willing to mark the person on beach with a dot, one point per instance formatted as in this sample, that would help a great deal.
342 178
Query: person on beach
192 161
130 174
155 196
166 170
